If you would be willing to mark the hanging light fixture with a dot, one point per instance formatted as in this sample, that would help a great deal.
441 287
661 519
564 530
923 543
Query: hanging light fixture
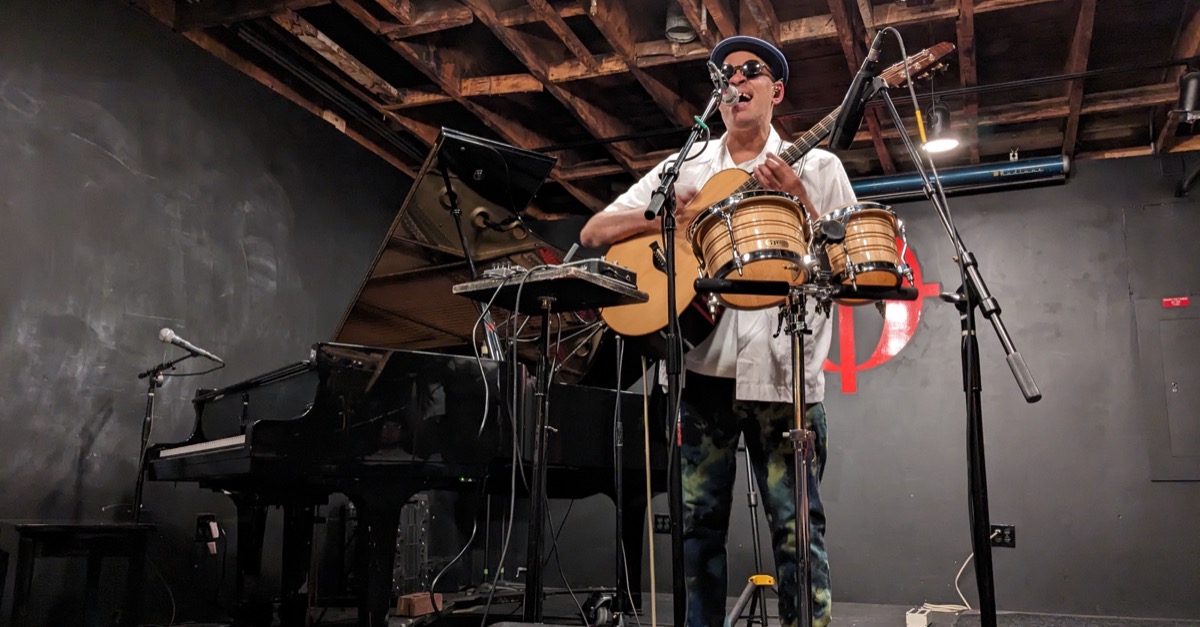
941 138
1188 106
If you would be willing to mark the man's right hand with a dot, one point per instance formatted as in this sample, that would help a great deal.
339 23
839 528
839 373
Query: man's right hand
684 215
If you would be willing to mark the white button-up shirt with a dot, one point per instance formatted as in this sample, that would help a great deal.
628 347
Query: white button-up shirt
742 347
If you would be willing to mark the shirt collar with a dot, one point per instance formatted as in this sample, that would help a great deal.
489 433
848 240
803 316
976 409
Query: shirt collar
774 144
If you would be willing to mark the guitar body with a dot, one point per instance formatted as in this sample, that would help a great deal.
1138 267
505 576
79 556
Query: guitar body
637 254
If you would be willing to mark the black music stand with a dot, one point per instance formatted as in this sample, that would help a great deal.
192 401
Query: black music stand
491 181
544 290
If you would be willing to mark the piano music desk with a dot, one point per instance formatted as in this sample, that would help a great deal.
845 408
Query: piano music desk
95 541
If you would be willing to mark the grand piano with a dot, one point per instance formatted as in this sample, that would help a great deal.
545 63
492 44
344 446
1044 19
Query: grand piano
397 401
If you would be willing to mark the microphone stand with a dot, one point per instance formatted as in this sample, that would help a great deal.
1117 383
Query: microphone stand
971 295
154 379
663 202
495 350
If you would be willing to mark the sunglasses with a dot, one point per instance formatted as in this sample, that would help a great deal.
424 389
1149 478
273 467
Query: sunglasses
749 69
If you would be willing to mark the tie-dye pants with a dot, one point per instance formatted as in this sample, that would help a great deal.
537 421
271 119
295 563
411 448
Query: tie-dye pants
712 424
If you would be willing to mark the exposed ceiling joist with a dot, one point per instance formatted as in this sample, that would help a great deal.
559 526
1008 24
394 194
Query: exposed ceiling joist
333 53
527 15
199 15
724 16
599 122
509 130
762 15
854 50
612 19
240 63
402 10
1058 108
898 15
965 30
564 33
1077 61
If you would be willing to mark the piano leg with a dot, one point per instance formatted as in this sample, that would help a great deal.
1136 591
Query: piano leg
375 559
298 520
254 606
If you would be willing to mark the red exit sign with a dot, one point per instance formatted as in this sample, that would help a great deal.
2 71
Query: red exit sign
1177 301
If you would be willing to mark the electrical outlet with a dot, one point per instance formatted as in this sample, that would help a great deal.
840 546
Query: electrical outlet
662 523
1005 536
204 524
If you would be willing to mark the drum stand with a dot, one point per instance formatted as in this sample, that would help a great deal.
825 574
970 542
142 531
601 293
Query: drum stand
803 440
792 320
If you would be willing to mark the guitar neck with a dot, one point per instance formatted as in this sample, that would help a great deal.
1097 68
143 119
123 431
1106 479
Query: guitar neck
798 149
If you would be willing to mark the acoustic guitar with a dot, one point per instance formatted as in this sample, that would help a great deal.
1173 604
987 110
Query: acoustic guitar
643 254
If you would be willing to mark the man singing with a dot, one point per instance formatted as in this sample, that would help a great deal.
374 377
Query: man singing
738 381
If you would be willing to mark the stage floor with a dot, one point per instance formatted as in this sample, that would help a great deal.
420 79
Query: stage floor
560 611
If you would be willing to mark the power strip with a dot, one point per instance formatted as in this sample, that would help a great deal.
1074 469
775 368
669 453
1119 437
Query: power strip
916 617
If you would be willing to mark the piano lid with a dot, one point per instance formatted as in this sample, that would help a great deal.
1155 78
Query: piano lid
405 300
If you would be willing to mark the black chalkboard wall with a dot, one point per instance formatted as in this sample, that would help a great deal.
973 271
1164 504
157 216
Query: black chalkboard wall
144 184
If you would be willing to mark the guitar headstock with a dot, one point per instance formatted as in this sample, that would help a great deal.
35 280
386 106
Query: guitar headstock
921 64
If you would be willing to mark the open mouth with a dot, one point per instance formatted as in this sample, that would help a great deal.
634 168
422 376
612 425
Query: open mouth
744 98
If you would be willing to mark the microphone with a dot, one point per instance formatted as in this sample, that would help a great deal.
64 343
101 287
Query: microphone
729 94
742 286
853 106
168 336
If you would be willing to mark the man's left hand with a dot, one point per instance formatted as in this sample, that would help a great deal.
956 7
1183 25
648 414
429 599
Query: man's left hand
776 174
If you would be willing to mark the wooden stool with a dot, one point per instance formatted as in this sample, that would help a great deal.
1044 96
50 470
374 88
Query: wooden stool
95 541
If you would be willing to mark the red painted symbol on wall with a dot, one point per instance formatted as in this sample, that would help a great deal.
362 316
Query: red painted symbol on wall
900 321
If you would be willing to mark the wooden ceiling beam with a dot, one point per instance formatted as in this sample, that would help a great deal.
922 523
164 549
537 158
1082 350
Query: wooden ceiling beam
400 9
723 16
968 77
425 24
1186 145
854 51
1188 45
364 17
196 16
564 33
335 54
422 131
418 97
762 14
896 15
1046 109
500 84
695 17
598 121
249 68
425 60
1077 61
429 21
526 14
612 19
662 52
